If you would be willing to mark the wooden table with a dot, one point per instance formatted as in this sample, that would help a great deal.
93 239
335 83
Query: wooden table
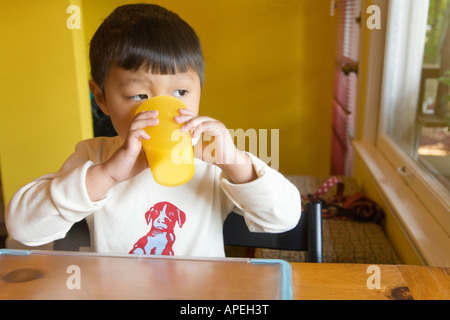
337 281
56 276
69 275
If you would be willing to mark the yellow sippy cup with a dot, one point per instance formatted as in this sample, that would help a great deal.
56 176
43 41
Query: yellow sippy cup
169 151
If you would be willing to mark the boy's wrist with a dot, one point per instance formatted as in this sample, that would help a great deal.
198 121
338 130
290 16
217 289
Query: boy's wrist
107 177
240 169
98 181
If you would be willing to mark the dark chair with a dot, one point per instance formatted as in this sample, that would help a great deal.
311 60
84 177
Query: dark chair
78 236
306 236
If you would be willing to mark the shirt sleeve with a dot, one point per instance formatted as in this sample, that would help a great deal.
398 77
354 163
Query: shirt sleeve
269 204
45 209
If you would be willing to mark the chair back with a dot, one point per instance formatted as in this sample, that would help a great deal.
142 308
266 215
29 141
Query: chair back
78 236
306 236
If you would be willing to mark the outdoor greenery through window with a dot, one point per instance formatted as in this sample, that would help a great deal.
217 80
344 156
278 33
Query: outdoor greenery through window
422 129
433 117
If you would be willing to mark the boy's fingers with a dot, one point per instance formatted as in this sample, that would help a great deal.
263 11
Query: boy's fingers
139 134
142 123
191 124
185 115
185 111
152 114
183 118
213 127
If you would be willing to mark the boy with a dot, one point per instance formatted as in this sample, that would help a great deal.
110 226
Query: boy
138 52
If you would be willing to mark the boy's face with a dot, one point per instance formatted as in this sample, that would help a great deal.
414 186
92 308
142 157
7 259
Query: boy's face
126 89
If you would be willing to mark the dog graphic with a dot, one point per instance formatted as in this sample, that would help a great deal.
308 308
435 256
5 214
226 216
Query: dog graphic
161 237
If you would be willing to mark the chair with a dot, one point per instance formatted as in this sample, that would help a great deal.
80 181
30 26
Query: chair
78 236
306 236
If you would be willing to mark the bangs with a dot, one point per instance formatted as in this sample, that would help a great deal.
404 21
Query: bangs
145 37
160 53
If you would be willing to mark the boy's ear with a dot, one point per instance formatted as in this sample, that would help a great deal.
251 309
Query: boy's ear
98 96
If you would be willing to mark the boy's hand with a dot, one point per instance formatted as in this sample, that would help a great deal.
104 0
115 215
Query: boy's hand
129 160
212 131
126 162
217 146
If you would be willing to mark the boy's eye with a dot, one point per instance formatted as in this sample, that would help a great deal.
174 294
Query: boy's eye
179 93
139 97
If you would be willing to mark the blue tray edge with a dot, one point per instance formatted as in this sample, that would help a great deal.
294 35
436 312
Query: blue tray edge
286 276
15 252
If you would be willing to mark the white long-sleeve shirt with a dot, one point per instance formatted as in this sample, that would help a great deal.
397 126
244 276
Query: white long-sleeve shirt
140 216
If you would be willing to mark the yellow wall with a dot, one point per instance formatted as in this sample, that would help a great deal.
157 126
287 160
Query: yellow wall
44 107
269 65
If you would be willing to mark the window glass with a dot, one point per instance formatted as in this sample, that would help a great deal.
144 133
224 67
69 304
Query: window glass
419 124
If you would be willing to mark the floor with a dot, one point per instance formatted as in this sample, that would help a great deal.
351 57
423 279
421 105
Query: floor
344 241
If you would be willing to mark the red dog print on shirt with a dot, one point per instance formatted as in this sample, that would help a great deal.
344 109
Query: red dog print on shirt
161 237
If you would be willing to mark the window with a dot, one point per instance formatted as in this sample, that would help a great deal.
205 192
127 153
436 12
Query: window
419 122
405 132
415 119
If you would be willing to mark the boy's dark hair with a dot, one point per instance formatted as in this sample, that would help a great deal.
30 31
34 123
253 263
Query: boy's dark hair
144 36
